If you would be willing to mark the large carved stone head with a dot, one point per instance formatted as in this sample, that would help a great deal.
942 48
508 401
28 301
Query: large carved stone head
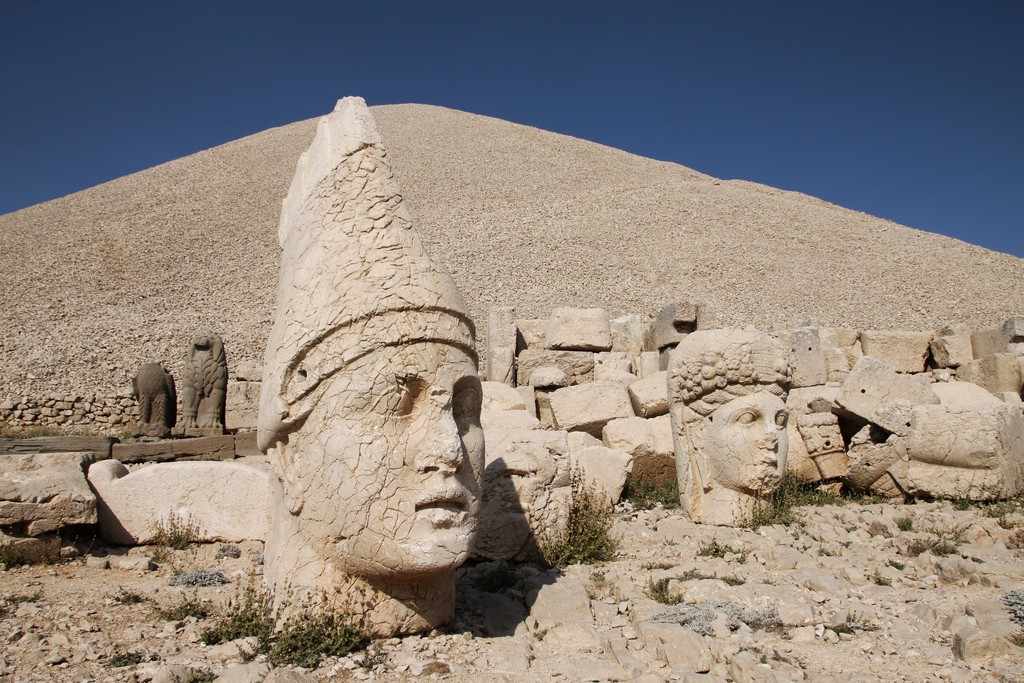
370 402
727 390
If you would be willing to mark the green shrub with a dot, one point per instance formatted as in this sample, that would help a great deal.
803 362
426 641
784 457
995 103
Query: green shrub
187 606
248 614
716 549
311 634
645 494
658 590
905 523
175 532
127 597
588 535
122 659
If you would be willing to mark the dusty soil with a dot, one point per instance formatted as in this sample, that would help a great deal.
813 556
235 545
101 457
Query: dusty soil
855 601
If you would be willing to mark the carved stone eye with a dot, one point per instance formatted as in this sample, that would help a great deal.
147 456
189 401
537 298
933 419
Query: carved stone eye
781 418
747 417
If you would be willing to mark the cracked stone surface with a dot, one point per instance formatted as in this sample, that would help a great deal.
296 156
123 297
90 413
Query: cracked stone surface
370 404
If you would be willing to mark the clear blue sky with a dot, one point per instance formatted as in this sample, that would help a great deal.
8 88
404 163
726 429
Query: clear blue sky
912 110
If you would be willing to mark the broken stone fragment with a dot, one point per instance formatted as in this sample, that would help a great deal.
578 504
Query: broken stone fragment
997 373
578 366
873 388
902 351
649 395
589 407
44 492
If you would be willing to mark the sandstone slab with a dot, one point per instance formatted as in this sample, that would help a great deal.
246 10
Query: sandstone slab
579 329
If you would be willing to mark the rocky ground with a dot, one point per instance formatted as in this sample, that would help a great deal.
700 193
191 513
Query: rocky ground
857 592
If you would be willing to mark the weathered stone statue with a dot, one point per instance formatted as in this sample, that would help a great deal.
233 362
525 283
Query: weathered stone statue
727 391
153 388
370 405
204 382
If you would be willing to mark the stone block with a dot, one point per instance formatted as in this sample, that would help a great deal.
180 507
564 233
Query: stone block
672 323
649 396
649 363
202 448
806 357
953 350
605 469
987 342
527 493
589 407
44 492
99 446
544 414
635 437
507 419
247 371
661 430
611 361
500 396
502 338
529 395
245 445
579 329
974 453
531 333
997 373
226 501
548 377
875 392
628 334
578 366
974 645
243 405
902 351
964 394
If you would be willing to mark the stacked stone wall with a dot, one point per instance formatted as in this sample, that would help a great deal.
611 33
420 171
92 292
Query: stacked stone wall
70 412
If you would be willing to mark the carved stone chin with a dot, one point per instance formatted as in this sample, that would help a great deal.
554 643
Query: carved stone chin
727 391
370 405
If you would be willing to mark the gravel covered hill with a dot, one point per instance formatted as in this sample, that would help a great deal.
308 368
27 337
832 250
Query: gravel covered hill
100 281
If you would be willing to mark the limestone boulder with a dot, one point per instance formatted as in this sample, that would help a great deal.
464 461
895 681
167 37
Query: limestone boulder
951 346
604 469
649 396
579 329
672 323
578 366
44 492
997 373
963 394
902 351
507 419
589 407
871 454
974 452
500 396
628 334
823 442
226 501
876 393
548 377
531 333
635 437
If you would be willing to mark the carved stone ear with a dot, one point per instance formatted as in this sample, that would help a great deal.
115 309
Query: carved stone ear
289 469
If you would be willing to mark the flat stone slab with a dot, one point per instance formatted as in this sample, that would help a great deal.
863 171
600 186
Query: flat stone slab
202 448
43 492
226 501
98 445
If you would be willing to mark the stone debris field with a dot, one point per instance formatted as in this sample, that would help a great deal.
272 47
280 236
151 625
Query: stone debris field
855 593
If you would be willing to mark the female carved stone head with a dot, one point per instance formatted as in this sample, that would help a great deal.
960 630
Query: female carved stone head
727 390
370 405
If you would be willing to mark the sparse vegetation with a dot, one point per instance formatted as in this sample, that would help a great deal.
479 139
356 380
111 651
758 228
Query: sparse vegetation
599 587
658 590
880 580
175 532
46 551
936 542
187 606
716 549
588 536
905 523
247 614
696 575
123 659
896 564
311 634
127 597
10 432
645 494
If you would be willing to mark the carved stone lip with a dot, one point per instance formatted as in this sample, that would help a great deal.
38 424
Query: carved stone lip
451 497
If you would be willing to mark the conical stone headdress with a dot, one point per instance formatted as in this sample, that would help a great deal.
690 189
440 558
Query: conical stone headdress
354 275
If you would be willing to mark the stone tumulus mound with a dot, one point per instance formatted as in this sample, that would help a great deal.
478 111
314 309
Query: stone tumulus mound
370 404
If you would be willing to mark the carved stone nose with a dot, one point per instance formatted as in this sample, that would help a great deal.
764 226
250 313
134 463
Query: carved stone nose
437 446
768 441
